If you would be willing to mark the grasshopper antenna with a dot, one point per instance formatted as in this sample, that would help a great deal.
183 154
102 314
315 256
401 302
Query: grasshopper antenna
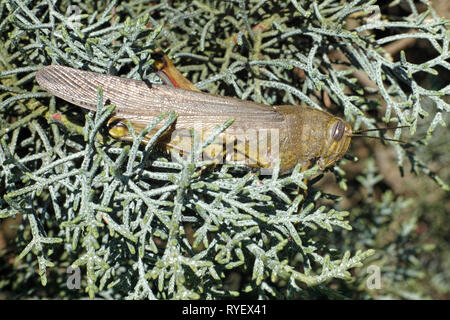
379 138
378 129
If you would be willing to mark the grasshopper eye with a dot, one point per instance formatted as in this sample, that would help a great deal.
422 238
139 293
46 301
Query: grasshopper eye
338 130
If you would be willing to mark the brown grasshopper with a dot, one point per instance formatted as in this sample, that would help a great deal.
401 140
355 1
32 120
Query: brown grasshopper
260 134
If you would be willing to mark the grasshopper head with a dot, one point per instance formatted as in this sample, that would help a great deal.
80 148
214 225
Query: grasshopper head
337 140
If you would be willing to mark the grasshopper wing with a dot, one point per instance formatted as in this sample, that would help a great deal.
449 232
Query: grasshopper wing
139 101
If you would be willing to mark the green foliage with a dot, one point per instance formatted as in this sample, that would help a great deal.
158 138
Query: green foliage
142 226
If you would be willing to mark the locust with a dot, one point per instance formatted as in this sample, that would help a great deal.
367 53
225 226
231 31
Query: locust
259 136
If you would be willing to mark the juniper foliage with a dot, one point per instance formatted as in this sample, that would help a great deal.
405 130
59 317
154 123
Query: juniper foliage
142 224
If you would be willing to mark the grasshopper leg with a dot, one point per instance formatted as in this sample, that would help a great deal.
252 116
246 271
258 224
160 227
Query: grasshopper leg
305 166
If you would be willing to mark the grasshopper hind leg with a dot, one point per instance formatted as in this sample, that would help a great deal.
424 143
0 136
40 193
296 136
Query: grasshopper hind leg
169 74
